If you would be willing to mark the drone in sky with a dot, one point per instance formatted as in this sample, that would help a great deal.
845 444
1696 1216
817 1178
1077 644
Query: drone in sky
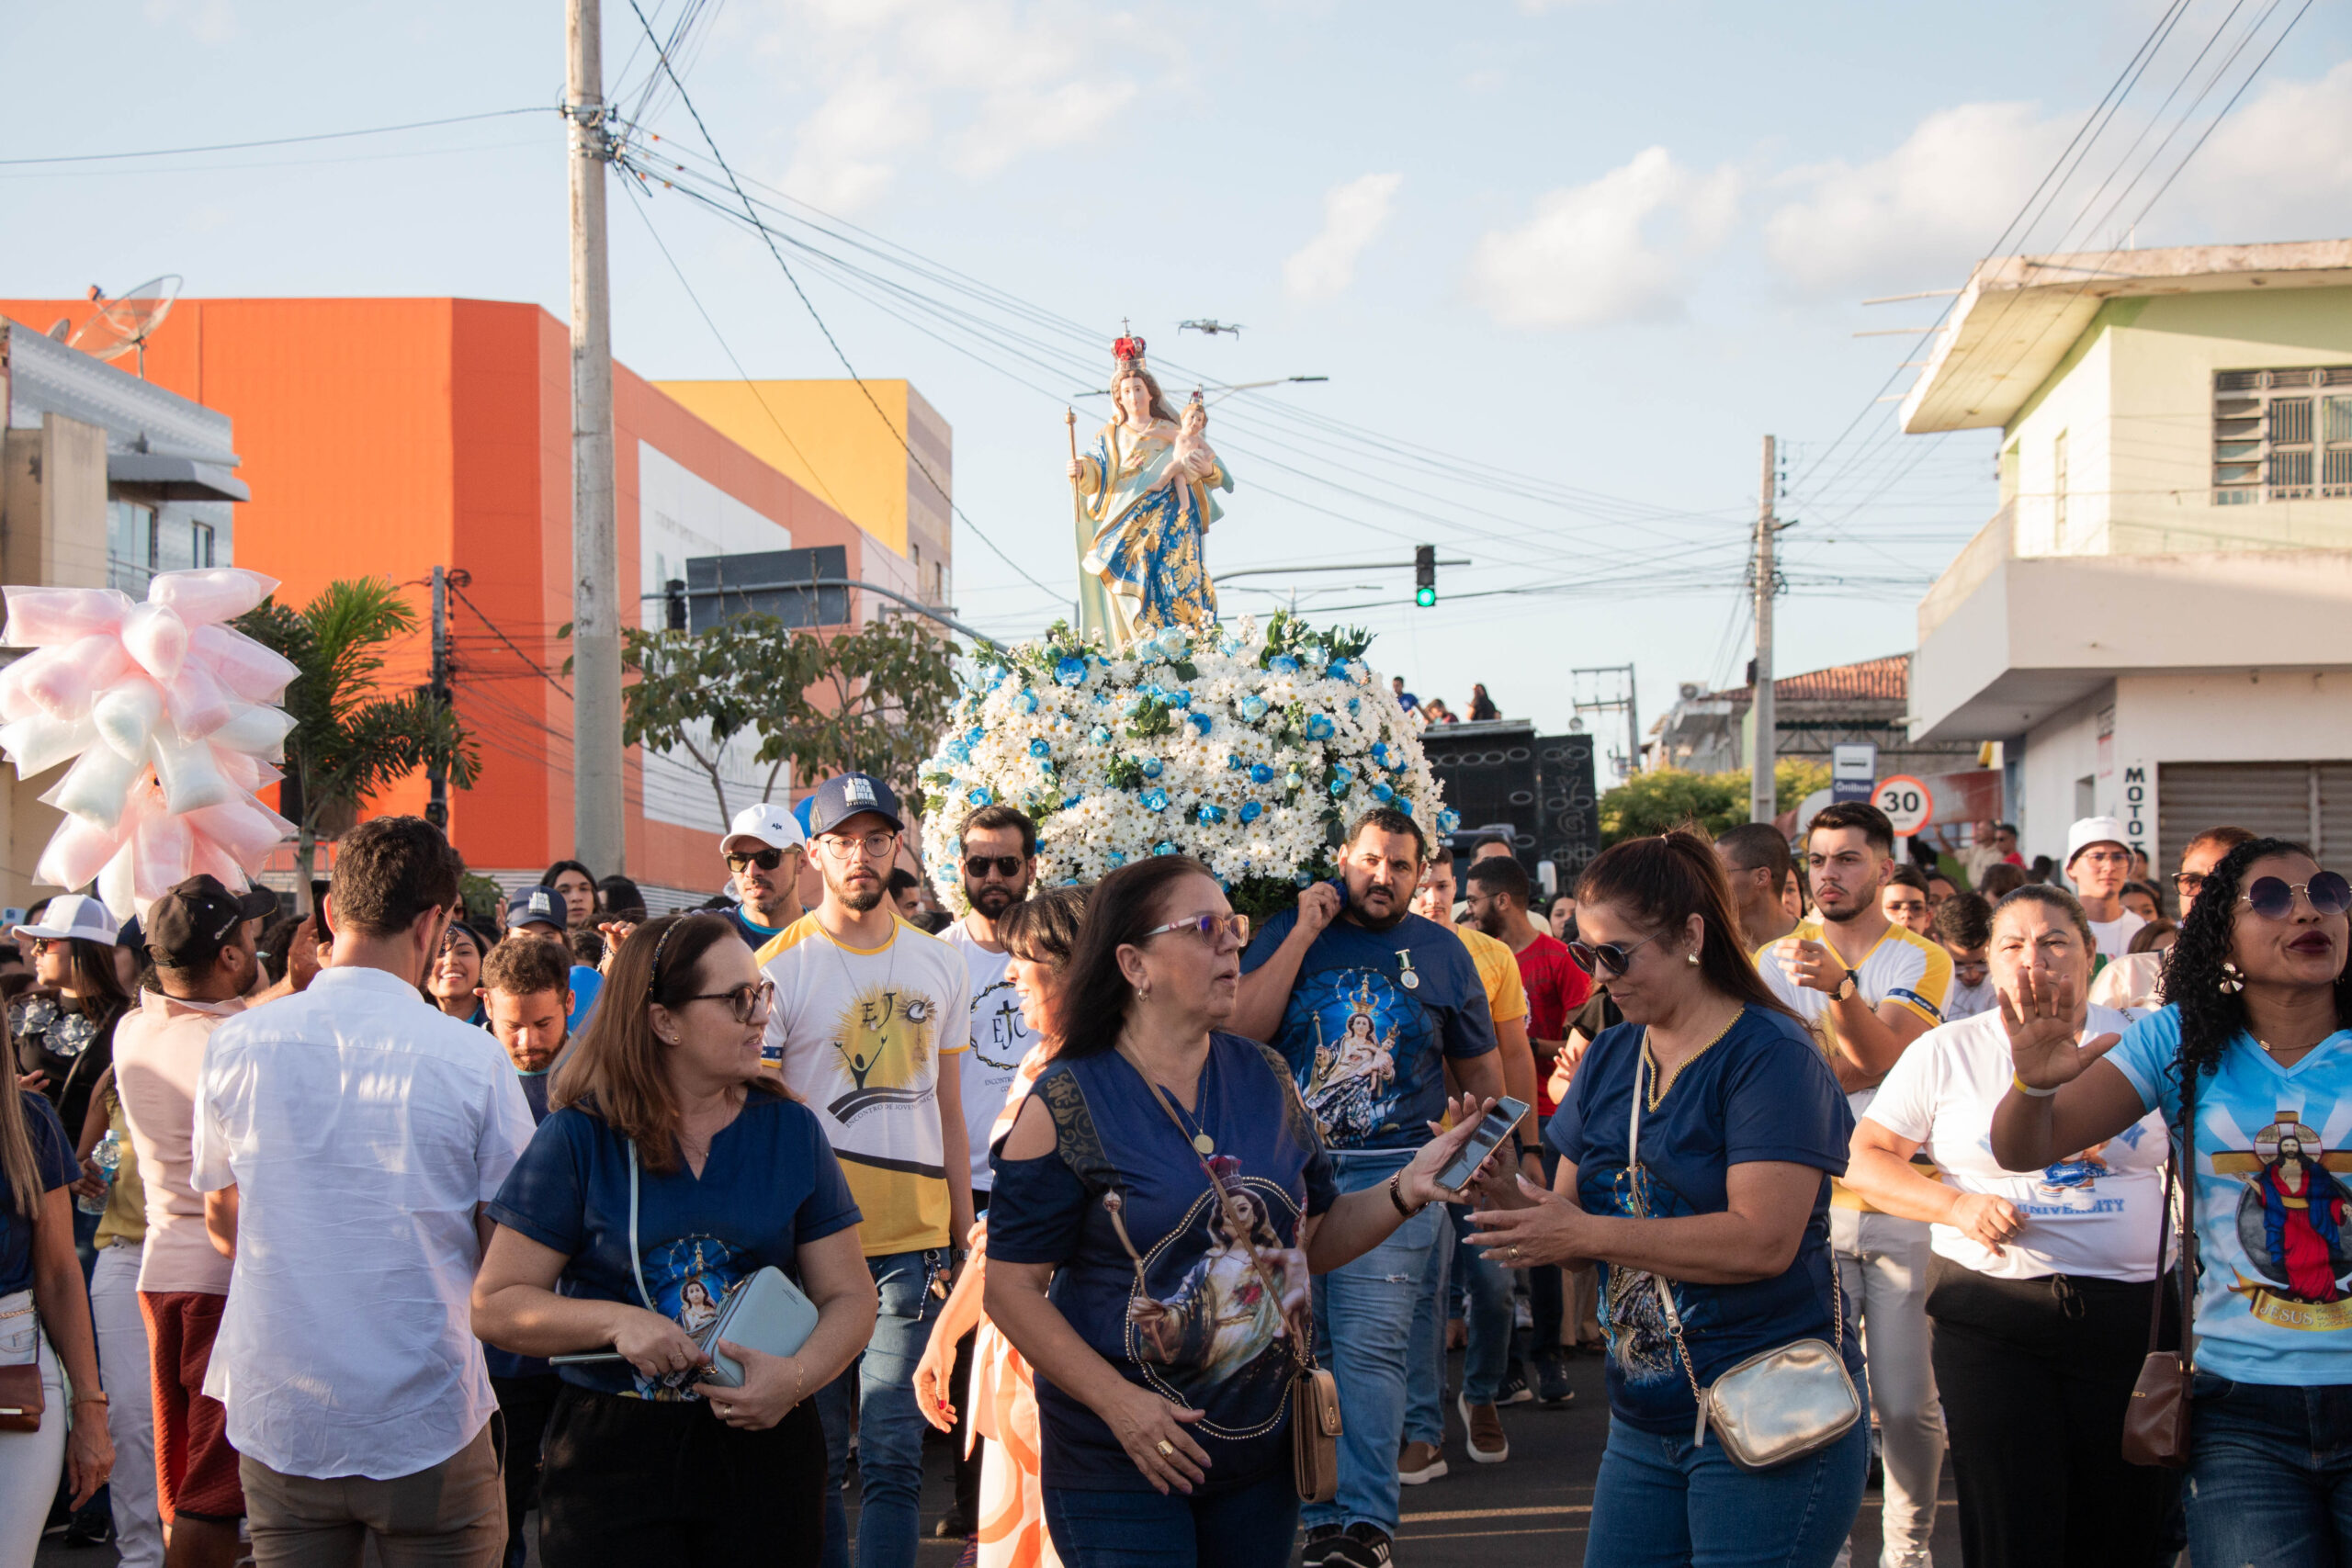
1208 328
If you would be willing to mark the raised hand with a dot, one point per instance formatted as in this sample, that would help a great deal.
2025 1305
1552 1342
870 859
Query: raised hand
2040 1020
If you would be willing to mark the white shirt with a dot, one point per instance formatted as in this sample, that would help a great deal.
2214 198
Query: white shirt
1967 1001
1000 1039
360 1127
2097 1216
2114 937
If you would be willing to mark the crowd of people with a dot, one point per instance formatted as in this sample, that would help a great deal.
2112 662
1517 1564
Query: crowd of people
1426 711
392 1224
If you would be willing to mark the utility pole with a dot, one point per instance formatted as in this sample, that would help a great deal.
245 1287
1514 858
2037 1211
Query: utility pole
1762 804
436 773
597 835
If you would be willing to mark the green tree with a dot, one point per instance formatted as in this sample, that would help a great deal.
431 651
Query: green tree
1668 798
872 700
352 736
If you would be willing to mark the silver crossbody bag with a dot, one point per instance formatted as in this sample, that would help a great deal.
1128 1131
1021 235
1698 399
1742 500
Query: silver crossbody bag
1778 1405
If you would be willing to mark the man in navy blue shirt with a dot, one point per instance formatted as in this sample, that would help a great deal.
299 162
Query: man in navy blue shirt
1369 1002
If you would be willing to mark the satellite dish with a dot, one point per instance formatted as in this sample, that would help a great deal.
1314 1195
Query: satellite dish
124 324
61 328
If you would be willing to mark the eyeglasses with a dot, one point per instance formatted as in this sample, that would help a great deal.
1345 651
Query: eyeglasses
876 845
2189 883
2274 899
1618 957
748 1003
1209 927
1006 865
766 860
2106 857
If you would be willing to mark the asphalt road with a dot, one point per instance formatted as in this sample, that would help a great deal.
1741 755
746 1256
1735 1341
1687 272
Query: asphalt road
1533 1509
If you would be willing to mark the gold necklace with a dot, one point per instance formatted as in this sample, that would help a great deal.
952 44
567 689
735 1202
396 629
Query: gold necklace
1659 1087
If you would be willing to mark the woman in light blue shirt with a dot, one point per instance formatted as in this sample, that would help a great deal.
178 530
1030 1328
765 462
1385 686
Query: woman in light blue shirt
2254 1053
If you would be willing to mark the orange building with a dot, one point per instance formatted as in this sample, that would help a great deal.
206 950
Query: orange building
385 437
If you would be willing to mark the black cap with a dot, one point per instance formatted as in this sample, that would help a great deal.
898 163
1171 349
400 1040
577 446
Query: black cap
188 927
845 795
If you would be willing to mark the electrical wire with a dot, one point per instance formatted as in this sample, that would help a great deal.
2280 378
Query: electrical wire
279 141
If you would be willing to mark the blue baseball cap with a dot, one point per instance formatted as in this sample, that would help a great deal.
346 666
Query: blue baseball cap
537 907
845 795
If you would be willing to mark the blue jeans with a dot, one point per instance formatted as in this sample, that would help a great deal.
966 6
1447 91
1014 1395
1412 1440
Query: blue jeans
889 1429
1660 1503
1248 1527
1364 1327
1425 1369
1487 1286
2269 1474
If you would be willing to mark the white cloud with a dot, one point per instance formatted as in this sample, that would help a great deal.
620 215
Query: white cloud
1926 211
1353 214
2279 168
1620 248
979 83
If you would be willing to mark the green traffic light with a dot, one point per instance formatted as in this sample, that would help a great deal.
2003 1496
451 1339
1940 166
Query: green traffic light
1425 597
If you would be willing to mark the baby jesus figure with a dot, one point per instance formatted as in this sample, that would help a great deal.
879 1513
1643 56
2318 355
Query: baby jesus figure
1191 460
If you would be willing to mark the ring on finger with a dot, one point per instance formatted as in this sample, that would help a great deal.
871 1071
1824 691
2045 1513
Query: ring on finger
1167 1449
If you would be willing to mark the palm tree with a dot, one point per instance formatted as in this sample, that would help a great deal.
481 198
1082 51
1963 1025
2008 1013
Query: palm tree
351 738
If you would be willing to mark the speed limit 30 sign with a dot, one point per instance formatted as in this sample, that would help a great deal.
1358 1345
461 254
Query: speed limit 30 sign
1908 804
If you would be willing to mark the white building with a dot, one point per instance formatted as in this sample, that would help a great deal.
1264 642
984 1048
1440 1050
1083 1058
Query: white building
2157 623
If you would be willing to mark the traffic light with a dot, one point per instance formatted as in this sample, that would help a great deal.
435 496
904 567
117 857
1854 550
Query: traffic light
1425 575
674 604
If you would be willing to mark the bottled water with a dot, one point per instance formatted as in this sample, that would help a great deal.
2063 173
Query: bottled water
107 1157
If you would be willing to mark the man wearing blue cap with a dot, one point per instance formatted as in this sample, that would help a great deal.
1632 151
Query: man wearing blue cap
872 1015
539 913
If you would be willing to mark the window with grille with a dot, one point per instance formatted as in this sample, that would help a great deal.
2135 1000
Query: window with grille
2282 435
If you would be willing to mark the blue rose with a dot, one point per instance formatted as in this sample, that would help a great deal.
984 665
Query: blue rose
1099 735
1151 767
1283 664
1302 878
1261 773
1041 747
976 734
1252 709
1165 847
1383 793
1177 699
981 795
1340 776
1355 705
1201 722
1380 753
1153 800
1234 762
1070 800
1172 642
1211 813
1320 727
1252 811
1026 701
1069 671
1339 671
1114 857
1448 819
961 751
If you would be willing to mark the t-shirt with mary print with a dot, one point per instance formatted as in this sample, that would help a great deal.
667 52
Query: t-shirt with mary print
859 1035
769 1185
1760 1092
2274 1200
1371 1019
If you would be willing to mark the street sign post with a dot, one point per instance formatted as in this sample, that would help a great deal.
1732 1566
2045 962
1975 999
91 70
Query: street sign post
1853 769
1909 805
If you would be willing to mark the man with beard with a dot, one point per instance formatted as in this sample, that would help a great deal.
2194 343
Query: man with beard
999 856
764 849
1867 988
1756 858
873 1019
1369 1003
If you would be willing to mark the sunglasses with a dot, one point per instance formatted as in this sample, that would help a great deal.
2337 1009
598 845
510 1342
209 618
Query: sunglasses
1616 956
2274 899
1006 865
748 1003
766 860
1209 927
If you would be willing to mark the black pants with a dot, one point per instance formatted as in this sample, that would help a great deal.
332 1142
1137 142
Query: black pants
2035 1376
638 1484
525 1404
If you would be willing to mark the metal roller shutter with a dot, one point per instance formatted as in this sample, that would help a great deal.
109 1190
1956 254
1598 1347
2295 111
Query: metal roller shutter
2271 799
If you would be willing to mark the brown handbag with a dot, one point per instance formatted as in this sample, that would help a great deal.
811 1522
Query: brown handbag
20 1392
1314 1393
2156 1422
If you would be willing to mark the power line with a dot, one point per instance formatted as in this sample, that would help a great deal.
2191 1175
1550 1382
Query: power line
279 141
509 641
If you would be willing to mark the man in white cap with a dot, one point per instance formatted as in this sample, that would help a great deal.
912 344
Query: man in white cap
2099 863
764 849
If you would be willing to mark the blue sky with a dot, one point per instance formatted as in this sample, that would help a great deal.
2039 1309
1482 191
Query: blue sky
1563 263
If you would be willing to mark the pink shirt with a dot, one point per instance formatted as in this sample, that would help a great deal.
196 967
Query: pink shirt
158 1056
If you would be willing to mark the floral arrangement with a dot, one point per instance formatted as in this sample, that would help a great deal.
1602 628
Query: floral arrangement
1249 751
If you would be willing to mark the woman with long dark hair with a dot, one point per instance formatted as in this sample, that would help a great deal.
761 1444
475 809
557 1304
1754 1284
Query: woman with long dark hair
455 976
2253 1055
1724 1202
671 1169
1166 1180
63 1028
577 885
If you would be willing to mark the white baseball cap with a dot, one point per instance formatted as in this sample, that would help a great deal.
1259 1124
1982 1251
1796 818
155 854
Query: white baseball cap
74 915
2094 830
767 824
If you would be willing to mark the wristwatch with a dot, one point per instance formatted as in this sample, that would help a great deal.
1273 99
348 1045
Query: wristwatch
1847 987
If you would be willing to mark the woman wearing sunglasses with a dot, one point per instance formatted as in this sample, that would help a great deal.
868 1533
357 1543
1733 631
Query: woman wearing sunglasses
2257 1041
1724 1201
671 1169
1166 1182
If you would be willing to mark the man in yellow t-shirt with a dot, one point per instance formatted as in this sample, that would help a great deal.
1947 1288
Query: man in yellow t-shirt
872 1016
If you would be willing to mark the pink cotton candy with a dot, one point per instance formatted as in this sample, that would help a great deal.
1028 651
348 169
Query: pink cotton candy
210 593
199 703
248 772
245 828
163 848
243 666
50 617
38 742
76 853
156 636
127 715
189 777
65 685
211 860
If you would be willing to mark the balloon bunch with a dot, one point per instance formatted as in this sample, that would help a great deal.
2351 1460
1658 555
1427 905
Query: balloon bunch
170 718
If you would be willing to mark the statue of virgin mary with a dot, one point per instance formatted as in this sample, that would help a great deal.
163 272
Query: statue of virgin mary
1144 501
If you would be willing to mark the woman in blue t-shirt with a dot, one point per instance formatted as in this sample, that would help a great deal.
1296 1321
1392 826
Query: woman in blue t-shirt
731 1175
2259 1034
1742 1125
1164 1350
